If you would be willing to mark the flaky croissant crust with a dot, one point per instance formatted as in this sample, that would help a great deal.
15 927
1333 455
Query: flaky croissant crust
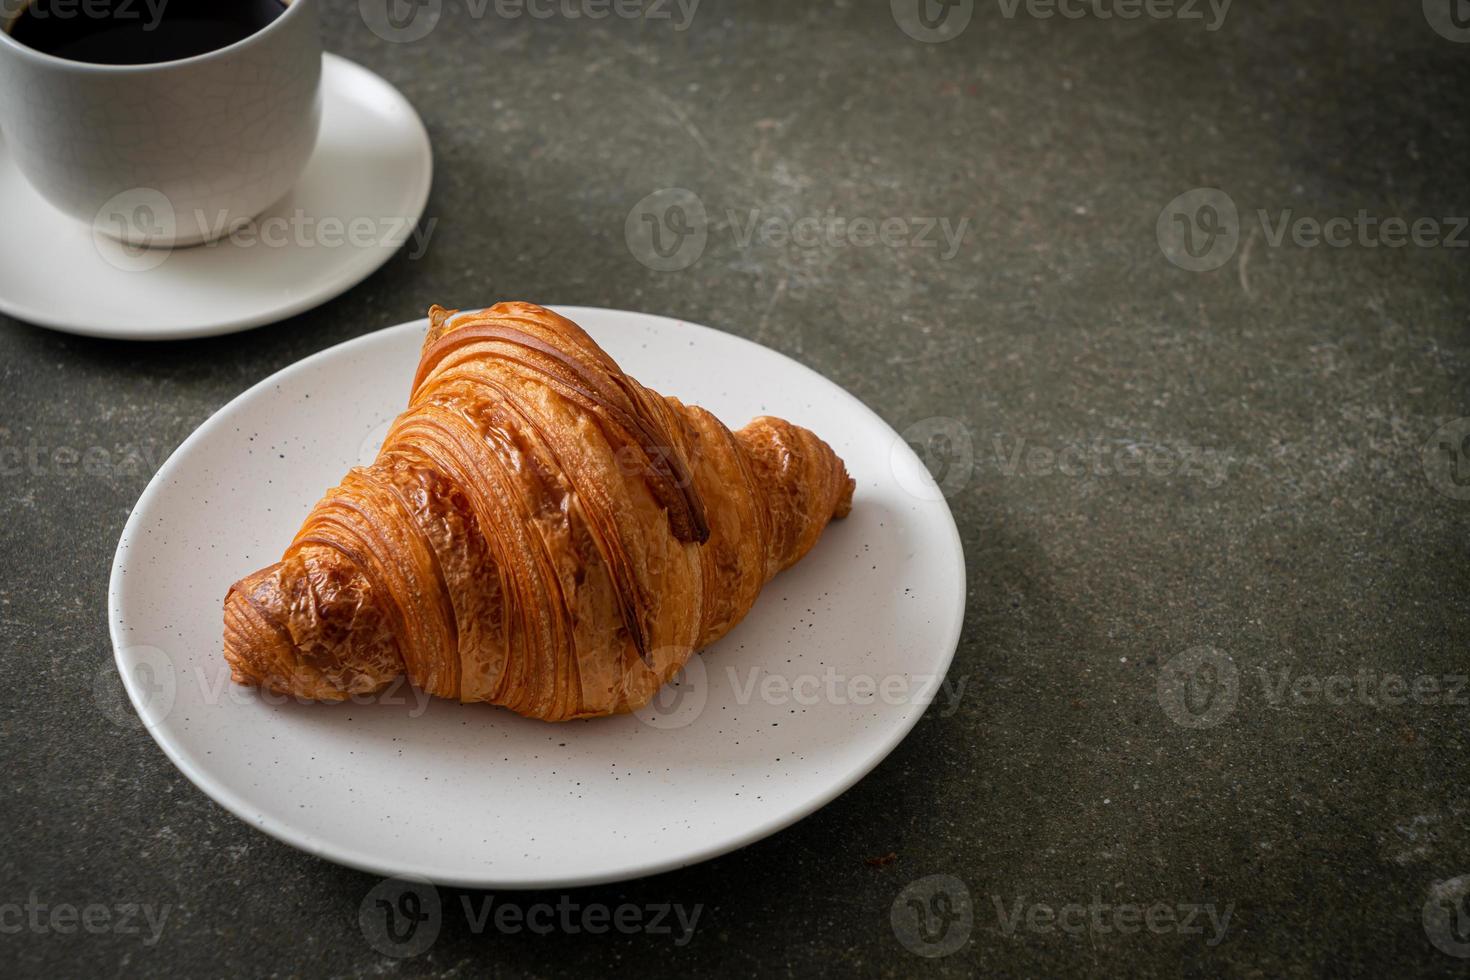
538 531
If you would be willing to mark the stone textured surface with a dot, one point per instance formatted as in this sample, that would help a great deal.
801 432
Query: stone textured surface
1319 545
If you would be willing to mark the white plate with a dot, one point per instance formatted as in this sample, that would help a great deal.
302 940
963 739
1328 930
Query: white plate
372 165
473 795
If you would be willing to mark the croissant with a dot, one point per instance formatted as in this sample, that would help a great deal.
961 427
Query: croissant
538 531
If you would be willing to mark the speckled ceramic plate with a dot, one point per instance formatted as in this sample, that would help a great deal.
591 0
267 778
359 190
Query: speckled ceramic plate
356 204
833 666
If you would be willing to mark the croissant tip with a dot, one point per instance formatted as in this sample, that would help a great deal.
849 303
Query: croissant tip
844 499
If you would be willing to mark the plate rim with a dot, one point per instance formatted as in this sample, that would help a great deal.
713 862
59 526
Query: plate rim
308 300
280 830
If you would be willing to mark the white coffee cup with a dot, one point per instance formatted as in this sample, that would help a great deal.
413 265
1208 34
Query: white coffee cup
171 153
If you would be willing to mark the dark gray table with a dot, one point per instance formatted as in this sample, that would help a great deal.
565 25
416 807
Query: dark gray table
1216 637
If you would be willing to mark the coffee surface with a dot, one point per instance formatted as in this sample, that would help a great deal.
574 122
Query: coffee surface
139 32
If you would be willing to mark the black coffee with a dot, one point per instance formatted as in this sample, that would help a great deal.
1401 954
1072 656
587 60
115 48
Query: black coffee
138 32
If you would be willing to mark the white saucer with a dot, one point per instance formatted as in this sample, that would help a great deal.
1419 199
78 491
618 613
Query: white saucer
372 163
752 738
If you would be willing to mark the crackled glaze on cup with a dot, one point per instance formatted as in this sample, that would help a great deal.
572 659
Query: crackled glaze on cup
207 141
